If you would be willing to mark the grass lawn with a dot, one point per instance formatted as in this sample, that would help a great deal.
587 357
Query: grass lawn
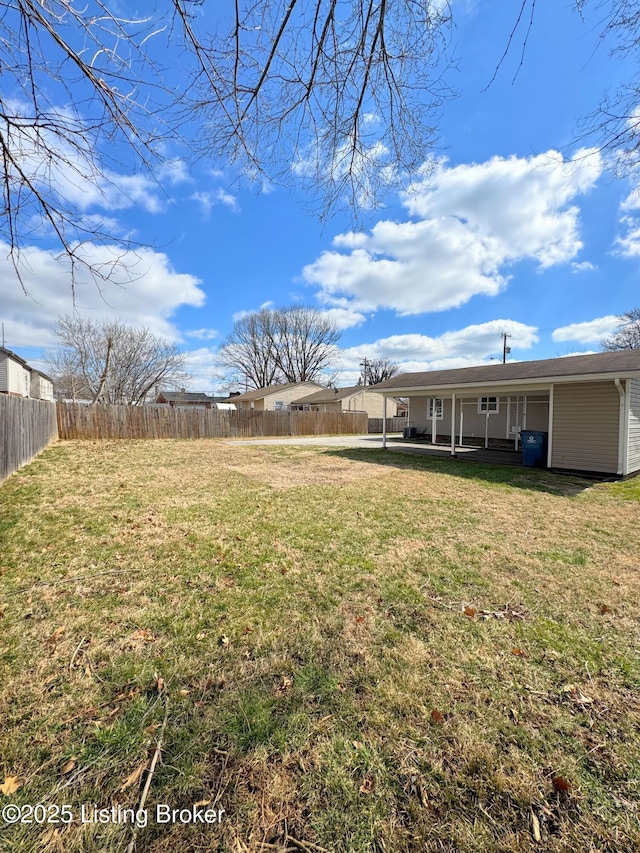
345 650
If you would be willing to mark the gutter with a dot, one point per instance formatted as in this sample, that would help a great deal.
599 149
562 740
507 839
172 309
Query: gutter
505 384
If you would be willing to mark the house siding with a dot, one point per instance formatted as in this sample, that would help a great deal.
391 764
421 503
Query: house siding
634 425
287 395
475 423
538 413
41 387
16 378
371 403
585 427
4 379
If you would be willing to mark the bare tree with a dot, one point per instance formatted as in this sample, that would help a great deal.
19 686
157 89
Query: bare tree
112 362
272 345
247 356
627 335
305 343
377 370
77 80
614 125
340 95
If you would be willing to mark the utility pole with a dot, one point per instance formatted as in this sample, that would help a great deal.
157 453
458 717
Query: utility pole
363 365
505 348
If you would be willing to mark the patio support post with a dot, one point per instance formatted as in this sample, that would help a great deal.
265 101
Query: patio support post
453 424
461 422
434 433
486 431
550 432
384 422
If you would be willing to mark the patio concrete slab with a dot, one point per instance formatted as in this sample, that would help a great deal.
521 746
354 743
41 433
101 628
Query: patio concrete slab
397 444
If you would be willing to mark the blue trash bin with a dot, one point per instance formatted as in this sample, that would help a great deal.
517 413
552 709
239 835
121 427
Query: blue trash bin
534 448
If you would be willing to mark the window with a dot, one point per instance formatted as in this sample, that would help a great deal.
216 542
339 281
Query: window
279 405
435 403
487 404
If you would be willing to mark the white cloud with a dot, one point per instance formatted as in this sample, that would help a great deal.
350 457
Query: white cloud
588 332
628 246
208 200
474 221
202 334
243 313
460 348
74 175
200 365
344 318
174 172
144 290
583 266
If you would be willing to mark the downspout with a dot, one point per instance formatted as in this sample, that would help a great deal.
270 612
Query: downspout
453 424
622 431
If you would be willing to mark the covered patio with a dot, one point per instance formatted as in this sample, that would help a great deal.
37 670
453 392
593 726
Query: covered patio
587 406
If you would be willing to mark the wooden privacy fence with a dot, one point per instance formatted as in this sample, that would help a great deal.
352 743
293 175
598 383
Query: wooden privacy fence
393 424
107 421
27 426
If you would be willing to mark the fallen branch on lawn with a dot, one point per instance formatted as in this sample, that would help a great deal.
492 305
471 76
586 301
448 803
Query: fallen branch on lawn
154 761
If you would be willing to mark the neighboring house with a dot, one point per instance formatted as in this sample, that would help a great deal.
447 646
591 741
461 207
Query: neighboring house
274 397
588 404
15 374
357 398
186 398
41 385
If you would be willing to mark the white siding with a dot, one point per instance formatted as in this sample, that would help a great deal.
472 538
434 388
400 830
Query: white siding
585 427
4 381
18 378
634 425
41 387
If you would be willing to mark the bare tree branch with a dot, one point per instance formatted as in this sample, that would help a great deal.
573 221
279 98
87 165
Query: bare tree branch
112 362
627 335
279 345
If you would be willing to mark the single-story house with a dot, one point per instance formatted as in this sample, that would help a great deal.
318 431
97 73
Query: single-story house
273 397
41 385
15 374
186 398
357 398
588 404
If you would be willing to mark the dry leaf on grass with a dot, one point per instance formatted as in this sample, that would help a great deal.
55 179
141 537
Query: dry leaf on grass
574 692
560 784
134 777
145 635
535 828
57 634
437 716
518 653
368 785
469 611
69 766
10 785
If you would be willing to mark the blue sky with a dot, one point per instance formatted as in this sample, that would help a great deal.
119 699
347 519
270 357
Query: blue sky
513 228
